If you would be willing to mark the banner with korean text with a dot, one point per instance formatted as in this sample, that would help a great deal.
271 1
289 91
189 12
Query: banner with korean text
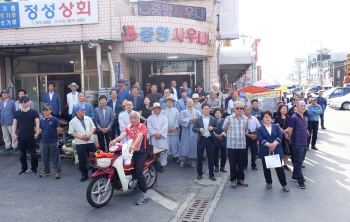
275 94
26 14
229 20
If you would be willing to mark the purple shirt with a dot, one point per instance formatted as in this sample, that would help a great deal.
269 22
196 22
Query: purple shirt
299 136
253 124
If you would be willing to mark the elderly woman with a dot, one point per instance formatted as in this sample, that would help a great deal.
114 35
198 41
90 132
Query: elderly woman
219 94
270 138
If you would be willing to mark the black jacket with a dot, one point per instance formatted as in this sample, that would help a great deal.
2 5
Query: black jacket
199 124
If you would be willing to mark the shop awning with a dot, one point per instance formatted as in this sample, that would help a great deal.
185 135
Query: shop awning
60 42
258 92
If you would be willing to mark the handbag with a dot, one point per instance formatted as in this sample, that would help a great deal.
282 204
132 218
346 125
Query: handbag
285 144
273 161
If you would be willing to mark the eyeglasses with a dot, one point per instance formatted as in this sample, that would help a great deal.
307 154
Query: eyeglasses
241 108
23 101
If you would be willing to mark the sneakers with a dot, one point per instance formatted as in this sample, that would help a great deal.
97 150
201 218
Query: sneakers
193 165
177 160
269 186
301 185
7 149
182 164
286 188
294 179
142 200
57 175
314 148
15 149
44 174
23 172
254 168
35 172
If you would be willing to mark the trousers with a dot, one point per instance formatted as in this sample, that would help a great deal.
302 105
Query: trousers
236 158
222 151
140 158
208 145
322 119
25 143
115 129
299 156
173 145
8 137
83 151
253 144
47 150
101 140
313 130
280 174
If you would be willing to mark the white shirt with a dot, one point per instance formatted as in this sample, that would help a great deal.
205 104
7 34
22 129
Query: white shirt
114 102
175 93
51 95
206 125
75 126
268 129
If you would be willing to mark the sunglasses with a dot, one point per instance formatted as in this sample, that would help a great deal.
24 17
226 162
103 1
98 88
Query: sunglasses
241 108
23 101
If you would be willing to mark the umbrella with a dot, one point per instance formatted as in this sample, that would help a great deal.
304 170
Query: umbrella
285 83
268 83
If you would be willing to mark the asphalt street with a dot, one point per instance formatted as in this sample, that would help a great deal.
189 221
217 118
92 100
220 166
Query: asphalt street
30 198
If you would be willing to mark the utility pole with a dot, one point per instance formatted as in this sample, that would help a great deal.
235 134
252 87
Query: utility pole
321 66
299 74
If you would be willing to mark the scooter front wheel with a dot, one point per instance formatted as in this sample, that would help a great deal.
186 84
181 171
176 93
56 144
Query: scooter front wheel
100 191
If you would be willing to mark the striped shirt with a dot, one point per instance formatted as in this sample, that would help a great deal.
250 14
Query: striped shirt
236 129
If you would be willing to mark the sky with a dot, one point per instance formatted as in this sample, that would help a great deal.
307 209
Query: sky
293 29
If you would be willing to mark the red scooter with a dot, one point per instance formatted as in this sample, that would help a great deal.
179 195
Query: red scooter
114 174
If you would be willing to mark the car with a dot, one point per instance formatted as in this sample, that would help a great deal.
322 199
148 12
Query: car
313 89
340 102
337 92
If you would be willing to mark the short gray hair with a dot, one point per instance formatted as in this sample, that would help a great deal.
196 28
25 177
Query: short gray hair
238 102
81 93
247 106
213 92
133 113
298 103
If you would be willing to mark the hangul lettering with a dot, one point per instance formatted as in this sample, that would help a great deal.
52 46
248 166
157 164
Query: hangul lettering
81 6
67 10
13 14
191 34
200 38
167 9
146 34
32 11
2 15
189 12
182 37
14 21
13 8
156 9
159 65
49 12
163 32
8 15
8 22
179 11
2 22
4 8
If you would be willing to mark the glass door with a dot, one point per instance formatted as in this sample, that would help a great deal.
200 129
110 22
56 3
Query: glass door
29 84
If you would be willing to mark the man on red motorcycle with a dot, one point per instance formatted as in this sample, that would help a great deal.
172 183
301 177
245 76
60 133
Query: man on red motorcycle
138 133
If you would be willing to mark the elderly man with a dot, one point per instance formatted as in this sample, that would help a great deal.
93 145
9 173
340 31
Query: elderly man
251 137
138 133
231 103
72 97
154 96
172 115
196 102
21 93
89 111
81 127
297 131
323 103
136 100
114 103
235 127
123 94
205 126
25 120
167 93
104 121
188 142
54 99
157 123
314 110
214 102
124 119
181 103
8 109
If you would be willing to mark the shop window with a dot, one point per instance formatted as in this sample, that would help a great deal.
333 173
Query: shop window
199 72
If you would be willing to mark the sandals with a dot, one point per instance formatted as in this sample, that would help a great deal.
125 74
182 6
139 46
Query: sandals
234 184
242 183
286 168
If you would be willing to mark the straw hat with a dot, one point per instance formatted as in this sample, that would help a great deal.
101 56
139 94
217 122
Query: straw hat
155 105
73 84
123 103
169 98
196 96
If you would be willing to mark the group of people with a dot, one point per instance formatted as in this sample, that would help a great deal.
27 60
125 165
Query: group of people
191 126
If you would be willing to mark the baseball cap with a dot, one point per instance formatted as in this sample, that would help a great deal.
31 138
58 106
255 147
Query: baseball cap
314 98
5 91
24 98
80 107
46 106
121 80
198 84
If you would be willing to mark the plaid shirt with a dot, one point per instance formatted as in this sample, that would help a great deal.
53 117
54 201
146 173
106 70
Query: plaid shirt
236 131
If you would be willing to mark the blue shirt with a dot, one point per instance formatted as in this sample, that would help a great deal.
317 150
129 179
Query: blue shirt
315 114
299 125
89 111
73 95
322 102
257 112
49 129
122 95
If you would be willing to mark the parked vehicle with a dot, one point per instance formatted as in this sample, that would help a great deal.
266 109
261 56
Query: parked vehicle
340 102
313 89
338 92
115 174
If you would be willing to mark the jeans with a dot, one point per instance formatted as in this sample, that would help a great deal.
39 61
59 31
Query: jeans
222 151
313 129
236 158
84 150
253 144
208 144
101 140
25 143
299 156
139 159
47 150
322 119
280 174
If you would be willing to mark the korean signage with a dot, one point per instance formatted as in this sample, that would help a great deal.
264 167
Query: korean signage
163 34
248 75
229 19
227 43
347 73
259 73
26 14
170 10
273 94
173 66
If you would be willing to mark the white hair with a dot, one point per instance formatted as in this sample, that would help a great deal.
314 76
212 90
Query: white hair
217 85
238 102
133 113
